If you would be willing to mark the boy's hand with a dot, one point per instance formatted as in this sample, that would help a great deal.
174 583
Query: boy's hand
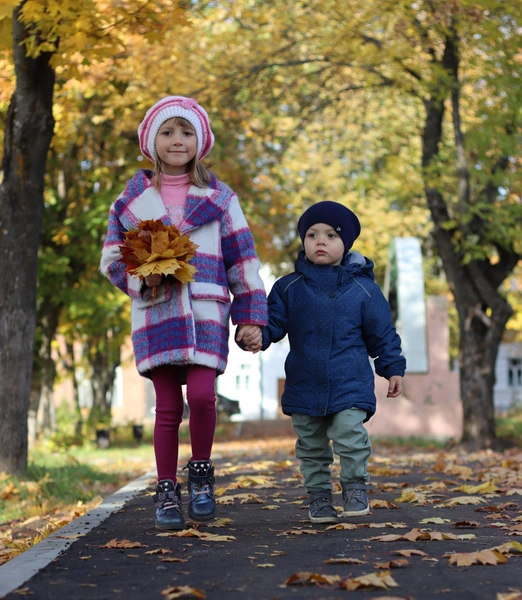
251 337
152 280
394 386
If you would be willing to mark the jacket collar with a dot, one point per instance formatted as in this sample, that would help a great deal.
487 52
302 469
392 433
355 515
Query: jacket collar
203 205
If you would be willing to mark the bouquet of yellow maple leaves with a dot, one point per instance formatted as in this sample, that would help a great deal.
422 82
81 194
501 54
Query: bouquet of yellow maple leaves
158 249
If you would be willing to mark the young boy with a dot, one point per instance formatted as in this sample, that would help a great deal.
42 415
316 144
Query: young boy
335 316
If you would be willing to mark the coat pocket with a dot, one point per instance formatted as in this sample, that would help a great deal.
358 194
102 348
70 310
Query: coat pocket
209 291
164 294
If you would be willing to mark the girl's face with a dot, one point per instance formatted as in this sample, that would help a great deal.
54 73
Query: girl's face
176 146
323 245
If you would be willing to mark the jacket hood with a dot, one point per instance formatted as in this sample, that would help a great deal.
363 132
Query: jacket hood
353 264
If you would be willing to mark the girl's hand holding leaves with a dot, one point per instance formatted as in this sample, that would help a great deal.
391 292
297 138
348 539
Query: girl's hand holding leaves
158 249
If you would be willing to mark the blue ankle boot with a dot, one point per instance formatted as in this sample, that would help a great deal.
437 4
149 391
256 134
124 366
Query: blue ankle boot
168 505
202 504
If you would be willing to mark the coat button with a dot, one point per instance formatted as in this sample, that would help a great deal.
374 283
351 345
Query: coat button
332 294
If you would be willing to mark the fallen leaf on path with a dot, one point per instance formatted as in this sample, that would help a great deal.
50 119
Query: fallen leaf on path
342 526
412 497
466 524
412 552
435 521
392 564
299 532
344 561
484 557
461 500
271 507
509 547
307 578
182 591
265 565
114 543
421 534
382 504
244 498
488 487
382 580
219 522
511 595
257 482
173 559
210 537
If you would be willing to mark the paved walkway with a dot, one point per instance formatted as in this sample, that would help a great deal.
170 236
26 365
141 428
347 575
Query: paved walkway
262 545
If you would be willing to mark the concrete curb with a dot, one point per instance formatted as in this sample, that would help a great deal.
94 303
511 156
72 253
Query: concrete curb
21 568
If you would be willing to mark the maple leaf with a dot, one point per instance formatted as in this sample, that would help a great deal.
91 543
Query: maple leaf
488 487
344 561
484 557
461 500
382 504
307 578
115 543
412 552
511 595
372 581
182 591
154 248
392 564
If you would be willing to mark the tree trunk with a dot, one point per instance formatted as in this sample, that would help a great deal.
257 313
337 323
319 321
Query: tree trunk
474 284
103 359
28 133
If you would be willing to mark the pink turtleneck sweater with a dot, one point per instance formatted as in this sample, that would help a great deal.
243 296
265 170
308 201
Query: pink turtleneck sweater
174 189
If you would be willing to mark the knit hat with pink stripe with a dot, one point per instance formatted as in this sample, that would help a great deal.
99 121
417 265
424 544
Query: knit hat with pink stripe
175 106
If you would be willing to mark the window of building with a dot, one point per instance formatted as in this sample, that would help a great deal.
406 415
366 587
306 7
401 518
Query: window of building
515 372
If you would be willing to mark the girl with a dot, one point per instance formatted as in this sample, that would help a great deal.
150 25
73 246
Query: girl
183 335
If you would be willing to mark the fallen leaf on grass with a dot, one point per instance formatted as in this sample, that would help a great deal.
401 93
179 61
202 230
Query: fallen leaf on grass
344 561
307 578
114 543
372 581
182 591
484 557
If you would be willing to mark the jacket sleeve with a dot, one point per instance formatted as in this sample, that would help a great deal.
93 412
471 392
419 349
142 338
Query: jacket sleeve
380 336
242 268
277 326
112 268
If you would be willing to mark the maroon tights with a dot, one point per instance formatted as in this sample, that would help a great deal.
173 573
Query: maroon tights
201 398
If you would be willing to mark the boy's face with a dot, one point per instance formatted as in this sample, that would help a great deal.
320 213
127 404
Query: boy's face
323 246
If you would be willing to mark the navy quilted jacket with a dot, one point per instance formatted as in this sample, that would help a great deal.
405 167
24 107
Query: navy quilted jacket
335 317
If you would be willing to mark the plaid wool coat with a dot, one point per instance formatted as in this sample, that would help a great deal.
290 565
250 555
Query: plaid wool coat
188 324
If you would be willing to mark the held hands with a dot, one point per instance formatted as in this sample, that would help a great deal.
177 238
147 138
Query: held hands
152 280
394 386
251 337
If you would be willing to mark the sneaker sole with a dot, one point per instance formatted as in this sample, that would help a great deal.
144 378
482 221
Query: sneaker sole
356 513
323 519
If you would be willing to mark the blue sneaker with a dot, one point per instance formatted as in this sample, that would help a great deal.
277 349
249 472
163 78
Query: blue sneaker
355 498
321 507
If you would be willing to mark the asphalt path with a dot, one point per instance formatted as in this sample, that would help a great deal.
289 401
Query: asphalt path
263 547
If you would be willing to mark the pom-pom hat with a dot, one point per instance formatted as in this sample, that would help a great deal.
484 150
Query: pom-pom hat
175 106
340 218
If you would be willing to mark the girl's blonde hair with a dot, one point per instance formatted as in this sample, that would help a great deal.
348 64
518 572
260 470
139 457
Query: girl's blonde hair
199 174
